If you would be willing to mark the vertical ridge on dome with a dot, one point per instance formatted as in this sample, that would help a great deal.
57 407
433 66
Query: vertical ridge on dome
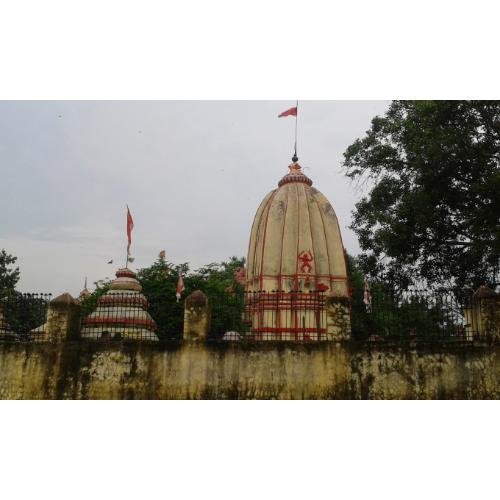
255 235
280 279
313 246
263 241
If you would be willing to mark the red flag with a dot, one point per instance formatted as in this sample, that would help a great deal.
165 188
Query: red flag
289 112
130 226
180 287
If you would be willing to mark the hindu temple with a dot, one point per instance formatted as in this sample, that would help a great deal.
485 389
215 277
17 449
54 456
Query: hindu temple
121 313
296 261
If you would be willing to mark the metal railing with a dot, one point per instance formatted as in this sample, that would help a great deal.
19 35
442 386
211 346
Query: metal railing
269 315
118 315
23 315
393 315
419 315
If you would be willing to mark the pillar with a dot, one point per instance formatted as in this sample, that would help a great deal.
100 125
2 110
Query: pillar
484 317
63 319
196 316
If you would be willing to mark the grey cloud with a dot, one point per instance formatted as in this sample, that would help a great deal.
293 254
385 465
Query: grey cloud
192 172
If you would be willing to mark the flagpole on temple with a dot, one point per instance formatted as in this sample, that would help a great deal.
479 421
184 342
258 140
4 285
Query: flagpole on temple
293 112
295 157
128 246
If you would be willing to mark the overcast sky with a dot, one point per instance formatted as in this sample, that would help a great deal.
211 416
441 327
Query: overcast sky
192 172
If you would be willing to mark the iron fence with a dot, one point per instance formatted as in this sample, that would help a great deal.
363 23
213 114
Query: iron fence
269 315
399 315
419 315
118 315
23 315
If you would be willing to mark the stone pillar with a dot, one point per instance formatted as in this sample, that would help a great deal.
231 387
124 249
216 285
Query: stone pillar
196 316
484 316
338 318
63 319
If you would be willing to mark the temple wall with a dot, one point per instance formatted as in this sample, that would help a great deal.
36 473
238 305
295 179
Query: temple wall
121 370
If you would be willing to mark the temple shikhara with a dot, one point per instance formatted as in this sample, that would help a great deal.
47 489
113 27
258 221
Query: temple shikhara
296 264
121 312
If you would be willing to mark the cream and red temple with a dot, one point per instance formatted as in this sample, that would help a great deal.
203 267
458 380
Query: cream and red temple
296 256
122 312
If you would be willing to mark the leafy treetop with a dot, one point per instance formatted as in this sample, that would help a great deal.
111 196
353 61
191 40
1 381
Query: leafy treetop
9 276
432 211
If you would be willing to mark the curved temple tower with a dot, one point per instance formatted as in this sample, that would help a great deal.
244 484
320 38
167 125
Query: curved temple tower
295 264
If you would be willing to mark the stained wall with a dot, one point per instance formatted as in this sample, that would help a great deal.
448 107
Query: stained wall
86 370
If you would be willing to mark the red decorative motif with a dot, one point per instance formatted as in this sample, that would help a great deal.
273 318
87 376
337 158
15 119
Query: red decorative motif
121 321
123 300
125 273
295 177
306 258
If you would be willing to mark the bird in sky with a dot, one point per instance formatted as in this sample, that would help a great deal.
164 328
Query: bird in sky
110 262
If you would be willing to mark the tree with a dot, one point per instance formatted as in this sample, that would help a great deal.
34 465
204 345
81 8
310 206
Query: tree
9 276
159 282
89 303
22 311
218 281
431 214
401 315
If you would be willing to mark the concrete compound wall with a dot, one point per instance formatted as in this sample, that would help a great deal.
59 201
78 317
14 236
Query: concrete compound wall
86 370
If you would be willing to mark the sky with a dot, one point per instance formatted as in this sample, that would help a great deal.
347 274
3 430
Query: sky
192 172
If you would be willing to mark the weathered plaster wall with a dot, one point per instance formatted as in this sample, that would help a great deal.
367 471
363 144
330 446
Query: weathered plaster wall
83 370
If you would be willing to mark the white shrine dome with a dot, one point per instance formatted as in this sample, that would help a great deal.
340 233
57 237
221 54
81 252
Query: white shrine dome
295 241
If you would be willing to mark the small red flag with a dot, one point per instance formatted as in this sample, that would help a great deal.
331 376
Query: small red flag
130 226
180 287
289 112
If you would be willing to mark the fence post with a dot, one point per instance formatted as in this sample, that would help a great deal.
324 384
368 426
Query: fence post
338 318
63 318
196 316
486 313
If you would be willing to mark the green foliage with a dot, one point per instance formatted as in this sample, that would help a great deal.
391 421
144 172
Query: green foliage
356 282
9 276
89 303
394 315
227 313
432 211
217 281
159 284
24 312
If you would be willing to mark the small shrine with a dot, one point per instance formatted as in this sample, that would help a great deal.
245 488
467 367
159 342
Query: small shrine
121 313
